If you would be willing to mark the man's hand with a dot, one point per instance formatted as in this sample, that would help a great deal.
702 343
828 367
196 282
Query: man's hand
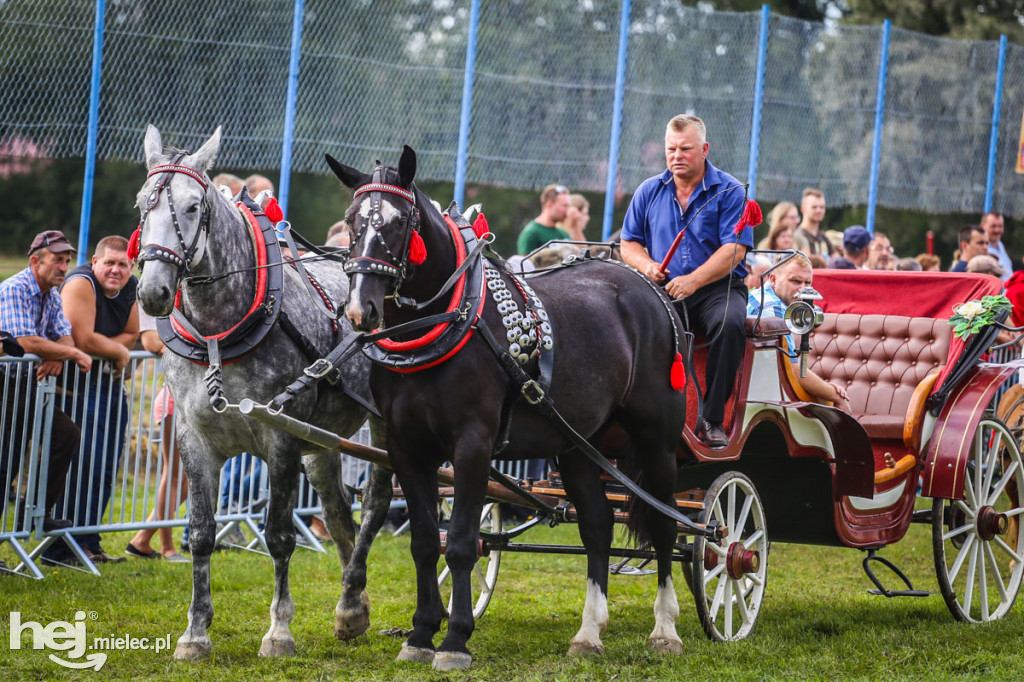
48 368
654 273
81 359
842 399
122 359
682 286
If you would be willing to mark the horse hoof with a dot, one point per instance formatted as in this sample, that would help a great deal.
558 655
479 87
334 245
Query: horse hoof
663 645
451 660
580 648
415 654
276 647
192 649
350 623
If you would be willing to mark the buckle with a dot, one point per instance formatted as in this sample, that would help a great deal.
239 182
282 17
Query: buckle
532 392
319 369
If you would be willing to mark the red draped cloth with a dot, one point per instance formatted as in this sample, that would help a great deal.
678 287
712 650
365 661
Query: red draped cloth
910 294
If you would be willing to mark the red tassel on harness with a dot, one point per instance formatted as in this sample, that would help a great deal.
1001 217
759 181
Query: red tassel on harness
480 226
417 249
133 243
677 377
751 217
273 211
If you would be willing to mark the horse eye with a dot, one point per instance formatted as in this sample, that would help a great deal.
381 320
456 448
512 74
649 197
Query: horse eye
194 208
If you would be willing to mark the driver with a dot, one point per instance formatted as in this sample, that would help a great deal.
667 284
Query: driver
707 269
783 284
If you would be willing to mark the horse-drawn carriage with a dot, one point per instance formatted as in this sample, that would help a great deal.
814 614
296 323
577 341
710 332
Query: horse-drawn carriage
924 422
585 361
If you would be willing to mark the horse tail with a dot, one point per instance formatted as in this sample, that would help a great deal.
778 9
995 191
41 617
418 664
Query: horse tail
638 512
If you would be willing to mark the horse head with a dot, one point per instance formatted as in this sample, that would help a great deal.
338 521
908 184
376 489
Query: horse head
175 207
384 220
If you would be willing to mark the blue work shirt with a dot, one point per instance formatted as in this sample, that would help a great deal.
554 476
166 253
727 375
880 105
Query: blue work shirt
654 218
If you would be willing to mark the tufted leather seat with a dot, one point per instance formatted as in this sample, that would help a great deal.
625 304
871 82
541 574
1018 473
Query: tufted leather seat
880 359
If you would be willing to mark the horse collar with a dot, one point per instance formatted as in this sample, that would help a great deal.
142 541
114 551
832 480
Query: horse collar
183 339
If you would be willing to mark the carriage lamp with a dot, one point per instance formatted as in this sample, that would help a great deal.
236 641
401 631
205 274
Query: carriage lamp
802 316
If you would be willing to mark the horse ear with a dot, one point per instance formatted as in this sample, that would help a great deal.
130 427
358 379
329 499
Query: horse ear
349 176
153 146
407 166
203 158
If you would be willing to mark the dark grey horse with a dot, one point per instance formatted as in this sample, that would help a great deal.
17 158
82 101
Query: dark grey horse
193 231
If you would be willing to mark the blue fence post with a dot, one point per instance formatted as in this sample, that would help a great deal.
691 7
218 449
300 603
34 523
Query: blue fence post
467 103
92 133
755 124
997 103
284 186
616 133
876 147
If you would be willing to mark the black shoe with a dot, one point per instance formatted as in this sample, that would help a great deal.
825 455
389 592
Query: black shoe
134 551
51 524
98 556
713 435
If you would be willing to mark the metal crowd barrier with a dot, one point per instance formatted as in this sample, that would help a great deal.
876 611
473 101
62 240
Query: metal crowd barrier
133 469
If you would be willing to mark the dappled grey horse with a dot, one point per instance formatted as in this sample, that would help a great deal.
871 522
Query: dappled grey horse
200 254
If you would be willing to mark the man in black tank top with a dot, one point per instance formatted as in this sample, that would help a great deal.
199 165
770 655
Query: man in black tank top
99 302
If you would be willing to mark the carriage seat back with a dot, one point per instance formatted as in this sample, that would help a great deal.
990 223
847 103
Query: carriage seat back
880 359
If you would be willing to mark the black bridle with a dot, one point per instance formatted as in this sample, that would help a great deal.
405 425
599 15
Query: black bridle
395 267
191 254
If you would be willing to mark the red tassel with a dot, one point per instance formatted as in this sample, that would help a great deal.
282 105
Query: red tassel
273 210
417 249
677 377
751 217
480 226
133 243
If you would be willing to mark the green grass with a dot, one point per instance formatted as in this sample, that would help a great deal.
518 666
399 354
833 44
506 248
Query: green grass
818 622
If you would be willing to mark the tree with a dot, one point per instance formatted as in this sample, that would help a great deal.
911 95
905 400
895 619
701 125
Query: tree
811 10
978 20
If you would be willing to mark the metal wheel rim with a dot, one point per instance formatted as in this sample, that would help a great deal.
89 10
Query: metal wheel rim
728 607
485 571
979 579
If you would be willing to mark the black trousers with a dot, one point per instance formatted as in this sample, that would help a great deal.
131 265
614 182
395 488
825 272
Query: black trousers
719 310
18 416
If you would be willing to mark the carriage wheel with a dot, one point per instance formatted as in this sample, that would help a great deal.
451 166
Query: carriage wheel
976 543
729 575
485 572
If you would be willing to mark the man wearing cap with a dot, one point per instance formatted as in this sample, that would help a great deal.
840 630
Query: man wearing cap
30 311
554 206
99 301
855 245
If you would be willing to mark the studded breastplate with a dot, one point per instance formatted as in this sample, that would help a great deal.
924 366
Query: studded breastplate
527 332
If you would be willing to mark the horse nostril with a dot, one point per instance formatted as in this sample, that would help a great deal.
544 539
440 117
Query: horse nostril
372 317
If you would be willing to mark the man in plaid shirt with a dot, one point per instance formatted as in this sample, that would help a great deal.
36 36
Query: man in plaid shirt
30 311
